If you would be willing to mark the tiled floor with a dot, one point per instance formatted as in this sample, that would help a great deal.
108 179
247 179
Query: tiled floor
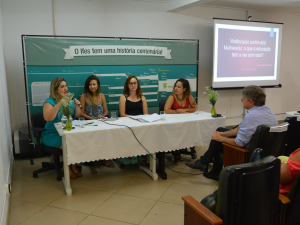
104 195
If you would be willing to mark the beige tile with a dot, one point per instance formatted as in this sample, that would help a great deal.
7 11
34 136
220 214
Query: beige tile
19 210
105 182
201 150
165 214
144 188
20 183
171 176
198 180
125 208
48 175
188 169
129 170
43 192
51 215
169 162
92 220
22 164
176 191
83 200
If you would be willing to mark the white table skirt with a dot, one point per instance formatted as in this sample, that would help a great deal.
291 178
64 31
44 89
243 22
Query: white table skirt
109 141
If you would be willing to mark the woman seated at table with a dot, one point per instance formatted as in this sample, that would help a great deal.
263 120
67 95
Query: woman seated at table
94 104
180 102
52 114
133 103
289 169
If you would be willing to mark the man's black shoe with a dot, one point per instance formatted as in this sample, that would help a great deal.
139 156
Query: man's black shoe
198 165
211 175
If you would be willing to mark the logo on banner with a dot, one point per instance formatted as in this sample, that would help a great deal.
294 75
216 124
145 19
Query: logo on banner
165 85
103 50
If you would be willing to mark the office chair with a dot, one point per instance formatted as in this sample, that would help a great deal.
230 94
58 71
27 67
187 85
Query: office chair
38 123
270 138
183 151
293 140
247 195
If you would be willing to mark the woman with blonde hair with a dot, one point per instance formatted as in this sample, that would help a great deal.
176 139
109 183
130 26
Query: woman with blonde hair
133 103
52 114
94 104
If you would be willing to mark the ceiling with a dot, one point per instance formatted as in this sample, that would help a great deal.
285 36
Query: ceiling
283 6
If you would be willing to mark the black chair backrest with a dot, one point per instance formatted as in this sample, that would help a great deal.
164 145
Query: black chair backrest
293 140
248 193
271 138
162 105
37 120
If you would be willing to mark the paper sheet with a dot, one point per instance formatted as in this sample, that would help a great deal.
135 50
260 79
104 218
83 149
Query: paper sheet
146 118
40 91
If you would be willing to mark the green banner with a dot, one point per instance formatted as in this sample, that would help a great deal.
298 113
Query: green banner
52 52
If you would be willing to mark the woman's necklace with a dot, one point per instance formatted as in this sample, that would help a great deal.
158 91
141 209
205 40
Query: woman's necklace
180 99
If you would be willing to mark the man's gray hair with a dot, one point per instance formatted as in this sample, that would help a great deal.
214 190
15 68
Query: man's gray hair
256 94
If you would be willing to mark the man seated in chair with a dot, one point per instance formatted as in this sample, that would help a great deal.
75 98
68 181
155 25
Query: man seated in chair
258 114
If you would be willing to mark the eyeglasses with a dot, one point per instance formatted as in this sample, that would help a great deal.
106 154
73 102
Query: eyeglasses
134 83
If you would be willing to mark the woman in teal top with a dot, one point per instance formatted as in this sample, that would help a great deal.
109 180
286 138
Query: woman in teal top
52 114
50 137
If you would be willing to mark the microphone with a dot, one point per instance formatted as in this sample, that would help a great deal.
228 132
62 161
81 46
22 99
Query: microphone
77 104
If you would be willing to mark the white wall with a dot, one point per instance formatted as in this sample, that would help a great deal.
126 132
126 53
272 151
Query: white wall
280 100
117 18
5 135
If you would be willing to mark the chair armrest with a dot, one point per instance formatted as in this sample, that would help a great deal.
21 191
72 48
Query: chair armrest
283 199
202 211
234 155
236 148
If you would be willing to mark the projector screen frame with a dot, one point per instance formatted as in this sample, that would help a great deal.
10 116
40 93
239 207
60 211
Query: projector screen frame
263 83
232 88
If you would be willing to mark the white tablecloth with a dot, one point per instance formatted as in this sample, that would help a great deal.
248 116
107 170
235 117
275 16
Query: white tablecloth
110 141
292 114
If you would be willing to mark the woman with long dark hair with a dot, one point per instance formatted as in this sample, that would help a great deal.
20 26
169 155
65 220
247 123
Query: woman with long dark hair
92 101
180 102
94 104
133 103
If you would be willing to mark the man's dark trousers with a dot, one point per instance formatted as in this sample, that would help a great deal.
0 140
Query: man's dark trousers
213 153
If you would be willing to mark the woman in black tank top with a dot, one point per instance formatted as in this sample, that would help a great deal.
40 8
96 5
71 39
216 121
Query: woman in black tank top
133 108
132 102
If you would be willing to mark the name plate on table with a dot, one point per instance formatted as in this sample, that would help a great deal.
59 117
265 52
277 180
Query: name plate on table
278 129
298 118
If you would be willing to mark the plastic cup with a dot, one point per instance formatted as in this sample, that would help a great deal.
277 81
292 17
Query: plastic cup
63 121
162 115
197 110
81 122
113 116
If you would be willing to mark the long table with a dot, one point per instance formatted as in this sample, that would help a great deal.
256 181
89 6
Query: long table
113 140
